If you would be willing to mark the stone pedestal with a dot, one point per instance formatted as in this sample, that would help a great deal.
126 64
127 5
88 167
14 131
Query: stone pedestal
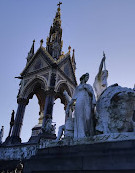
72 156
35 134
108 157
12 140
47 136
69 128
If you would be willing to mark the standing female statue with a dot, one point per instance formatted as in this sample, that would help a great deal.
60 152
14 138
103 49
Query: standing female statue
85 101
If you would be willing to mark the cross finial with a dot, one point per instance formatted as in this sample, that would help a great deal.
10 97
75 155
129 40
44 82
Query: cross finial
59 4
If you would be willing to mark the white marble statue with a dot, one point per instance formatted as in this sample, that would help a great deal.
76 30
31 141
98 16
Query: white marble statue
85 101
100 83
68 99
115 110
1 134
67 128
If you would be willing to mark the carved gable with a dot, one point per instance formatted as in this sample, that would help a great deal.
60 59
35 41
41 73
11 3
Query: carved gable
37 64
66 67
39 60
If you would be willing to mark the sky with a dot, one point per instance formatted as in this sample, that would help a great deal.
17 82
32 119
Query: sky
89 26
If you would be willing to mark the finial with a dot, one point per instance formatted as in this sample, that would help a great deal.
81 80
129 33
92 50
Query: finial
41 42
31 52
103 54
69 48
73 60
73 55
59 4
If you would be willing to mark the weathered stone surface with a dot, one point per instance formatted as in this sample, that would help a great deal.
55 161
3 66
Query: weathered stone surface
107 157
25 151
69 128
115 108
17 152
115 151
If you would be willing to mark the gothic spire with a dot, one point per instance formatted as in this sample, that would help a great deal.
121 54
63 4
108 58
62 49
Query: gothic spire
54 41
31 52
73 60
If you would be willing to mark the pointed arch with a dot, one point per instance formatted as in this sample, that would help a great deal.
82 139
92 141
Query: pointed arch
63 83
61 86
32 85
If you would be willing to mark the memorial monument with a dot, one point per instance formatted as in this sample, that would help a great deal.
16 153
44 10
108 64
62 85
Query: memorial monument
99 130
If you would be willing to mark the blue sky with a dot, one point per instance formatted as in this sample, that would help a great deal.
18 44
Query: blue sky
89 26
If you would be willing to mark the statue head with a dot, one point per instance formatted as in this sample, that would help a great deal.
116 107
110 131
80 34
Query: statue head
84 78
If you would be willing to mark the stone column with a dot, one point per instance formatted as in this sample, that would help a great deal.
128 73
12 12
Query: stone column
15 137
48 109
49 101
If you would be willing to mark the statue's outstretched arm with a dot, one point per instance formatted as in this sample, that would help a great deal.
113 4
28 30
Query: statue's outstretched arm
101 66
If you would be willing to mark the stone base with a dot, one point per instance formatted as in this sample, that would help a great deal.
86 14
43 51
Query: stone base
41 136
37 134
110 153
34 139
47 136
11 140
36 130
109 157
